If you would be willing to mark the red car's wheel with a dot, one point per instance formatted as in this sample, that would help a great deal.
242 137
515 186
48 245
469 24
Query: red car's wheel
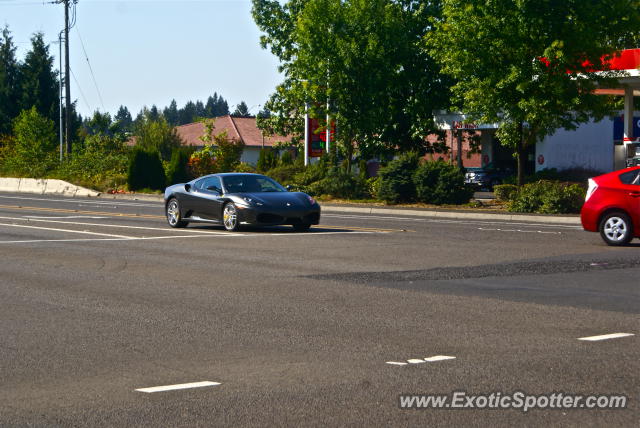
616 228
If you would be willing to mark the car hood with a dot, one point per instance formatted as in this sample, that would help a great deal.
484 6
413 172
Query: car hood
277 199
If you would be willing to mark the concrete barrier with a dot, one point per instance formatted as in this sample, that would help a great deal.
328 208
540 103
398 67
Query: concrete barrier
8 184
44 187
32 185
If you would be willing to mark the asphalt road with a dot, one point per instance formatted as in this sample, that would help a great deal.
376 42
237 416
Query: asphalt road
99 298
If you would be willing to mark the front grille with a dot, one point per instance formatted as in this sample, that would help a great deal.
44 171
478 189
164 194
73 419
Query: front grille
270 218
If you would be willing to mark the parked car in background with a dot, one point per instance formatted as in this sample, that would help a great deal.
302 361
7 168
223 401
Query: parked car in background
485 179
233 199
612 206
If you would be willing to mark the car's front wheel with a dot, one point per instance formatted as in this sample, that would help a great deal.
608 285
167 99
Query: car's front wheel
174 218
230 217
616 229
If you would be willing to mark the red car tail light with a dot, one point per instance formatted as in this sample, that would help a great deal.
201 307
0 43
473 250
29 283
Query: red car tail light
593 186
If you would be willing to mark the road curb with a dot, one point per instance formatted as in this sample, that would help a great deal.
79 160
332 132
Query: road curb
459 215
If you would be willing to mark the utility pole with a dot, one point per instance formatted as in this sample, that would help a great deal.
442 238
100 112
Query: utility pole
67 72
60 90
67 112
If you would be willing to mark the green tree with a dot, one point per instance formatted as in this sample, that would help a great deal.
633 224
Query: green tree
242 110
528 64
123 120
157 135
35 144
188 113
219 154
365 58
9 82
171 113
145 170
100 123
39 84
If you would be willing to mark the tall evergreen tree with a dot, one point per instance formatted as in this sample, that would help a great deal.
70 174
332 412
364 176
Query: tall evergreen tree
171 113
200 111
242 110
154 114
187 113
9 82
210 108
123 119
39 83
222 108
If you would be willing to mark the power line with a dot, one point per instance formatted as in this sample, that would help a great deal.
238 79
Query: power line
80 90
95 83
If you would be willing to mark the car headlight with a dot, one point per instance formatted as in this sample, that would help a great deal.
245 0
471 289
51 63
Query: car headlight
249 201
311 200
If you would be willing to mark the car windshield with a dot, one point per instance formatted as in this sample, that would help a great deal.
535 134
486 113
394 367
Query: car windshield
251 184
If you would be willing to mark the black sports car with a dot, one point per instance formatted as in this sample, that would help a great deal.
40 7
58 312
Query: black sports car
233 199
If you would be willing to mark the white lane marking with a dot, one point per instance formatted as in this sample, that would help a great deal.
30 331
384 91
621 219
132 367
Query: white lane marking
422 360
470 222
439 358
195 231
61 217
164 229
84 201
518 230
67 230
605 337
143 238
178 386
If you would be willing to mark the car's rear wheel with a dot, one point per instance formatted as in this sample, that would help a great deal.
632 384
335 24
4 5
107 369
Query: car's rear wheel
301 227
174 218
230 217
616 228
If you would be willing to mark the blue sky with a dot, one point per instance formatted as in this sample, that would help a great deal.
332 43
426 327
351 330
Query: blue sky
146 52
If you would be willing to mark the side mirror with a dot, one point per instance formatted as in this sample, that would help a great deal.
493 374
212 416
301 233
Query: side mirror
187 187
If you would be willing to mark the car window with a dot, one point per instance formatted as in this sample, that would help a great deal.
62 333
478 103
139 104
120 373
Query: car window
209 184
251 184
630 177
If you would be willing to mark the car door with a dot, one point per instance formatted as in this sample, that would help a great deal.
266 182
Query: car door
209 198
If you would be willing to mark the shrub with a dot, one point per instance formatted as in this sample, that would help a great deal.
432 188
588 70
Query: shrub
266 160
396 179
244 167
441 183
505 192
178 170
340 184
312 173
34 149
286 158
372 185
549 197
283 174
100 163
145 171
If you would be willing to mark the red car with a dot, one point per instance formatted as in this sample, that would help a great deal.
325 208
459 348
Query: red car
612 206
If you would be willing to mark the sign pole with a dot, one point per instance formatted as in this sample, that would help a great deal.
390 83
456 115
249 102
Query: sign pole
306 134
